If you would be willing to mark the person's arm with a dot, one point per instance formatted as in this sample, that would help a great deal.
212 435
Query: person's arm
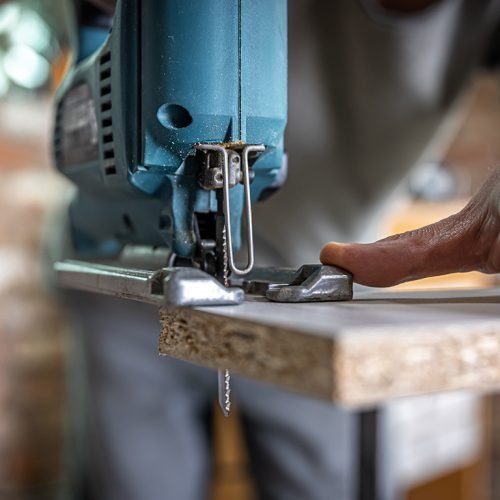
466 241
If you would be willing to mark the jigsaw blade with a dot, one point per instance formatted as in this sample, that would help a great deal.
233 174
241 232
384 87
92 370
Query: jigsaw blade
223 375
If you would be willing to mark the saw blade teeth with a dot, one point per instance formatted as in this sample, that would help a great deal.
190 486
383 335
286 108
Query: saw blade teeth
225 258
224 388
227 391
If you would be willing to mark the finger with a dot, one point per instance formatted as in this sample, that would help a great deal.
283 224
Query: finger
441 248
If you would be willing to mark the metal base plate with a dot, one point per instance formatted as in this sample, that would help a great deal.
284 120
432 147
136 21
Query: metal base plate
310 283
176 286
191 287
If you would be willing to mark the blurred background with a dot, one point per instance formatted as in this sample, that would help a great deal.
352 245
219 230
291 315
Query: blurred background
438 447
34 53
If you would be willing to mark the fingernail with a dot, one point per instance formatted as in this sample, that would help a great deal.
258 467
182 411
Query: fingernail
334 245
330 249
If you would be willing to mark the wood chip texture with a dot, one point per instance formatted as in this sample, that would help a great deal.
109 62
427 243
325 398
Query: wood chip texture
377 347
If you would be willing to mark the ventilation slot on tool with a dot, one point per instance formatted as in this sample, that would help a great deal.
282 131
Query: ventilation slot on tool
107 140
57 133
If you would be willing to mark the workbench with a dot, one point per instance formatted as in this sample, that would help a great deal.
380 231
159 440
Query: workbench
379 346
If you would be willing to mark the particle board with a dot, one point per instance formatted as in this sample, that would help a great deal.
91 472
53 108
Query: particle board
376 347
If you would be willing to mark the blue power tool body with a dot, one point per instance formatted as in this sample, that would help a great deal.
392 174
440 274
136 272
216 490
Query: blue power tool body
135 112
171 126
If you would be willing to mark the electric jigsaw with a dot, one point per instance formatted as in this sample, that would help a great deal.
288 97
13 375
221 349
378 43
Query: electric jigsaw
171 125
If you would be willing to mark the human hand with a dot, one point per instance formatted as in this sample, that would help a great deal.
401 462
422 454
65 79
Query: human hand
467 241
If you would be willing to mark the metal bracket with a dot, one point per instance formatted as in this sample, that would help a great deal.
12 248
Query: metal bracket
228 176
310 283
175 286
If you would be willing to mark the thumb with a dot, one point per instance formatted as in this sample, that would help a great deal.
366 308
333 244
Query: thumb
378 264
441 248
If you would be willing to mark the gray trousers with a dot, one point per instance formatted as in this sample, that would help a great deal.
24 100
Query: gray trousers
145 428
